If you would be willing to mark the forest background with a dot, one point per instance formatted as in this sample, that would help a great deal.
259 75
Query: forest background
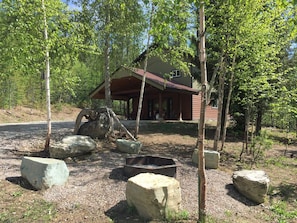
251 51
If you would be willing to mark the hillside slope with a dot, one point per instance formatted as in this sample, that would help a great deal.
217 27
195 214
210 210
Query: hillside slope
26 114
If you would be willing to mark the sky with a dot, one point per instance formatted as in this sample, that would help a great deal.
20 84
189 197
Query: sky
70 4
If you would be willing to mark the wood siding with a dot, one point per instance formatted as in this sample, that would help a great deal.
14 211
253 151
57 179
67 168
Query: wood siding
210 114
160 68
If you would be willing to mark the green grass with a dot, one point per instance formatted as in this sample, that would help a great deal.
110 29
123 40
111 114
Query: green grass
17 193
175 217
211 219
37 211
282 213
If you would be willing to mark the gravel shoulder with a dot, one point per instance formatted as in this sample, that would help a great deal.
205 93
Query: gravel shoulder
95 191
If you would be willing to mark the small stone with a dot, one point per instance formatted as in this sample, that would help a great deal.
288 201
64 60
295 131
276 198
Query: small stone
212 158
128 146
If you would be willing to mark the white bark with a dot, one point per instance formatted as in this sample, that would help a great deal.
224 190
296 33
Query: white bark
144 76
47 80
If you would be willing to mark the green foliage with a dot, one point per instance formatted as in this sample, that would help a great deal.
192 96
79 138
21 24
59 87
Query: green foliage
177 216
22 49
259 33
43 211
283 111
212 219
123 30
276 161
260 144
171 33
233 32
35 211
283 215
17 193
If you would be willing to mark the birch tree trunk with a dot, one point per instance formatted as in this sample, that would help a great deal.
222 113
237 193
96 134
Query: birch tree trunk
144 75
220 109
108 100
47 81
201 130
246 133
228 103
213 78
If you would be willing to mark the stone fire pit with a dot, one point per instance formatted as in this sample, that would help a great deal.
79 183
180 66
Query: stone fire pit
150 164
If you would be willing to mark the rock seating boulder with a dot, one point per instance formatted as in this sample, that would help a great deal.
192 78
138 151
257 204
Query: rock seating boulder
128 146
43 173
94 129
253 184
72 146
212 158
154 196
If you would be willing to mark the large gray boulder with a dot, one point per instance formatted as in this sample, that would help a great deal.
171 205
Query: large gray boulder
128 146
43 173
154 196
212 158
253 184
94 129
72 146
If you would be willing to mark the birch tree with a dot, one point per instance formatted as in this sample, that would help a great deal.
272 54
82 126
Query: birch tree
250 56
47 78
34 30
145 70
117 26
168 28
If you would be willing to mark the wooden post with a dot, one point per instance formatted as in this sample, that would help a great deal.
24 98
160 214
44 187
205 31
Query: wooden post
128 109
201 130
180 108
160 106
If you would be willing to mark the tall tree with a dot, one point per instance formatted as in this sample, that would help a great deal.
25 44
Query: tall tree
201 128
168 29
108 99
118 26
145 70
260 65
36 29
47 77
22 48
250 57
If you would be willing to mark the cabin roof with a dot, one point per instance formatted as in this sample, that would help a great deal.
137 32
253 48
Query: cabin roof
126 82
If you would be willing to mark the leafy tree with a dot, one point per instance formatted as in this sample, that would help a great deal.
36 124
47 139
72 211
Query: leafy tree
261 72
244 55
117 26
168 27
35 35
145 69
47 77
22 48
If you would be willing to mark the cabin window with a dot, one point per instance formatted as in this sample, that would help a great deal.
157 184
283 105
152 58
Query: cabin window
175 73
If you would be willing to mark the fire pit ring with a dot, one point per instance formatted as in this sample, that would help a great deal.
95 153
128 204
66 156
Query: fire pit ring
150 164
